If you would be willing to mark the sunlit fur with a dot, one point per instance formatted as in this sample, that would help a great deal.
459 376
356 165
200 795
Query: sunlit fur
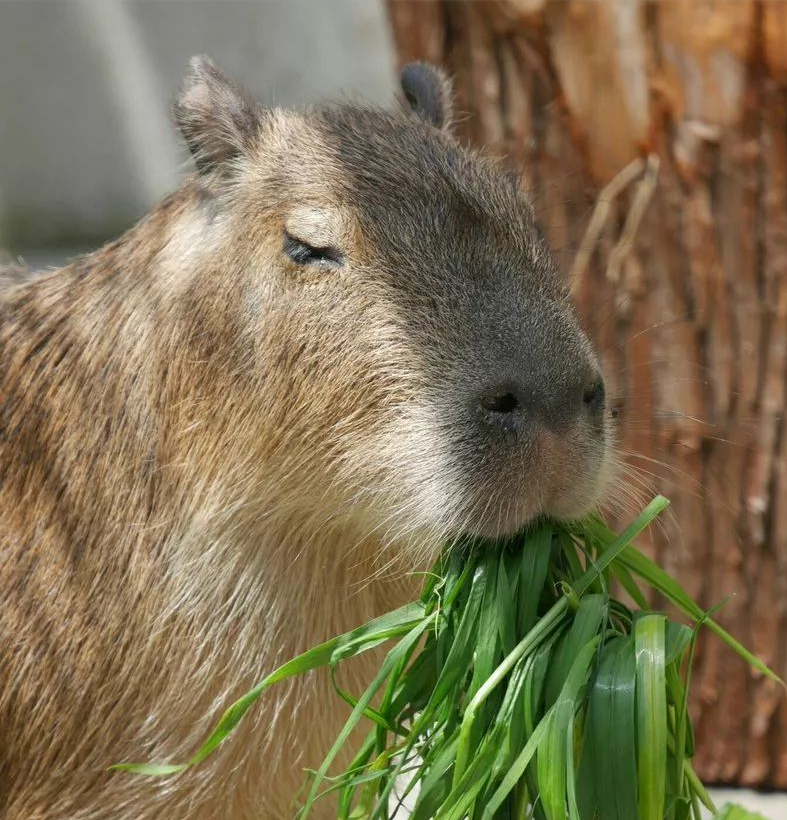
212 458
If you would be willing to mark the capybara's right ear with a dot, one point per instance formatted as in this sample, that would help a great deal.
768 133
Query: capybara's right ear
217 118
429 93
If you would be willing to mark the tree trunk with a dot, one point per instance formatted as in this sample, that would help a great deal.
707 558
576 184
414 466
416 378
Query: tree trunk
681 279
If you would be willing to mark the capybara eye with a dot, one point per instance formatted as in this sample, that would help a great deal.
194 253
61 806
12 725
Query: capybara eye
302 253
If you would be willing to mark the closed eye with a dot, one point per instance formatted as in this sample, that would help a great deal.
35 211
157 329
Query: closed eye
302 253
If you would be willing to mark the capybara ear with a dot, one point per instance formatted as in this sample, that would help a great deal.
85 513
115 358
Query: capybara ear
429 93
217 118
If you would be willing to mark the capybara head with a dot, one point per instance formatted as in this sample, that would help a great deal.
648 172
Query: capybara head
412 359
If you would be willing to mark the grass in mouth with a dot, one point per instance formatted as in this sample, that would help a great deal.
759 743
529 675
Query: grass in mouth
517 687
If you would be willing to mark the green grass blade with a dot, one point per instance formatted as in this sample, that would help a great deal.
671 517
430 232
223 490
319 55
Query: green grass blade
620 543
652 574
475 777
348 787
535 676
505 603
393 624
486 649
626 580
611 746
517 768
389 664
585 783
699 792
536 549
677 800
587 622
436 784
555 755
677 641
531 641
464 642
649 641
370 712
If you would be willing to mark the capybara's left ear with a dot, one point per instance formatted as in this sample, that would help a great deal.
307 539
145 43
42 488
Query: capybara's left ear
217 118
429 93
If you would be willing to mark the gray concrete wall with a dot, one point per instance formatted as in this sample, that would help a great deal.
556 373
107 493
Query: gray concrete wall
86 144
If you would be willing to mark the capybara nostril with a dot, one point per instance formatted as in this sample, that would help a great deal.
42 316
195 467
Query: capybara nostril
594 396
500 401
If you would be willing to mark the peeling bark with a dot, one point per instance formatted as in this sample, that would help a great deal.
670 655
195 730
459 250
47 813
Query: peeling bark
692 324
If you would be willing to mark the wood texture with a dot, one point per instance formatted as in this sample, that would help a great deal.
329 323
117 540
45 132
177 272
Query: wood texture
690 314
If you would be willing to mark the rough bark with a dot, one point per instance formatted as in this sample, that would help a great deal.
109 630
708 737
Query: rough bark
691 313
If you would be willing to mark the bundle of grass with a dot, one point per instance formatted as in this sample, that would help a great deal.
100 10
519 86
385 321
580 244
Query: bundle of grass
519 688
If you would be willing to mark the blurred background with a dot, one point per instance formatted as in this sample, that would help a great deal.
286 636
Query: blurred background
86 140
653 139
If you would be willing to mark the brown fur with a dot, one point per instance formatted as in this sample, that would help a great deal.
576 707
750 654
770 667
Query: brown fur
210 455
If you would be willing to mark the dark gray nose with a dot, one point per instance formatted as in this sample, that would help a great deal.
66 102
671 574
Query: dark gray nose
508 404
